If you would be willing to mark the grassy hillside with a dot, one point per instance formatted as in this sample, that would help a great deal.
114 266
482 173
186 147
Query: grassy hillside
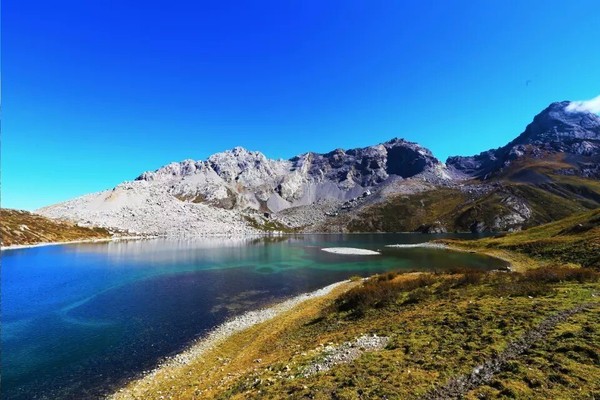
405 213
22 227
549 197
438 328
575 239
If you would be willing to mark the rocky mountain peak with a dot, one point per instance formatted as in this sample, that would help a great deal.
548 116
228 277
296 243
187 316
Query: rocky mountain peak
559 128
248 179
559 121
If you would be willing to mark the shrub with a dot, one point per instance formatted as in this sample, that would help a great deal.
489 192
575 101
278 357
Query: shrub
470 277
369 295
388 276
379 292
421 280
418 295
518 288
554 274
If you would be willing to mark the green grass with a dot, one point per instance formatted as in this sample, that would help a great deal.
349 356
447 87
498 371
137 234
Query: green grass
407 213
554 198
563 366
440 326
575 239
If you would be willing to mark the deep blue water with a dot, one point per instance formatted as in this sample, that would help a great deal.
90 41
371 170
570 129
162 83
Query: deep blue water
79 320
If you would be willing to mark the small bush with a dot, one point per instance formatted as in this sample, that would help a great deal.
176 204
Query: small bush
520 288
388 276
380 291
418 295
470 277
555 274
368 295
420 281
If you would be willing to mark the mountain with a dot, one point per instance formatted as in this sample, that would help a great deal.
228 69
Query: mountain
225 193
556 130
549 171
242 179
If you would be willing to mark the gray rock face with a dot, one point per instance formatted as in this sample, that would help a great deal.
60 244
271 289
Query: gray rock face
242 179
218 194
556 129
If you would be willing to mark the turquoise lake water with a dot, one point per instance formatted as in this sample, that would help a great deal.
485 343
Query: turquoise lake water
79 320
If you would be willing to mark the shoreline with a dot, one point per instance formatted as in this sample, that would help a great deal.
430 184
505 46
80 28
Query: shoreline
203 347
99 240
265 234
426 245
512 264
218 335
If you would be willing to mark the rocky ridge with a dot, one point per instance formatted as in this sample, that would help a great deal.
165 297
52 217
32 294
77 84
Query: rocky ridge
239 192
220 195
557 129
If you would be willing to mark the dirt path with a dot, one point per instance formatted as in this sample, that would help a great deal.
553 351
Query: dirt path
483 374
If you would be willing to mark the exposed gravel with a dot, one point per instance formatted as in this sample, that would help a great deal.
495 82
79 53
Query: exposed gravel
482 374
309 215
148 208
346 352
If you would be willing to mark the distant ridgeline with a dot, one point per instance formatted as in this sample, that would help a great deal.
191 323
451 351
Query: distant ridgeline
549 171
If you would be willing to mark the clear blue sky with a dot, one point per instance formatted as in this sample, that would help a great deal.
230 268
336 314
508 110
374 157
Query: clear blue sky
96 92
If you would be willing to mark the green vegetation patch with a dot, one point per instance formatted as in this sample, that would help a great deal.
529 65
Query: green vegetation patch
440 326
268 225
575 239
407 213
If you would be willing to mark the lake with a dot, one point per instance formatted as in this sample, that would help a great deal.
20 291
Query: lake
79 320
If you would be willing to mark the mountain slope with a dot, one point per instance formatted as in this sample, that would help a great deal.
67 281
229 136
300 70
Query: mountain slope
548 172
230 191
498 206
24 228
575 239
557 129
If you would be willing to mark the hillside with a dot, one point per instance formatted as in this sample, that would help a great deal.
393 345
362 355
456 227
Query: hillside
575 239
24 228
548 172
500 205
531 334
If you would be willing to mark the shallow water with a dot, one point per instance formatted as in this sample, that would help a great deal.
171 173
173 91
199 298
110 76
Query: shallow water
78 320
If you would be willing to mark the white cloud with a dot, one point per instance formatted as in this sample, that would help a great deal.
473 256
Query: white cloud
592 105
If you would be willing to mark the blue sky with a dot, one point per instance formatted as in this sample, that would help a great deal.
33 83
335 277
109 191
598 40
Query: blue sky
96 92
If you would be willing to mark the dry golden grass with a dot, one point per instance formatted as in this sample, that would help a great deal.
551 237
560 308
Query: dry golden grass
24 228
